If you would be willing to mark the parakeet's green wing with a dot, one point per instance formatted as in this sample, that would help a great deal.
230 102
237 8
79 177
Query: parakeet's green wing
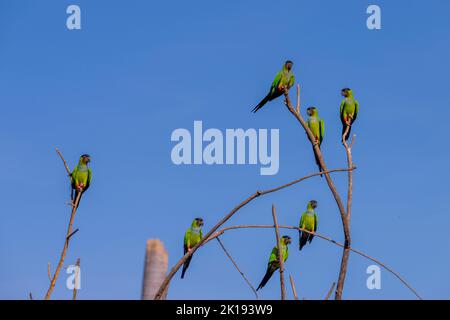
277 80
356 110
292 81
273 255
89 179
302 219
341 110
74 176
316 222
187 238
321 130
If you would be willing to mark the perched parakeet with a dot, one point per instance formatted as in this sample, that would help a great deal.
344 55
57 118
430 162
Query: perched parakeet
284 79
348 110
81 177
192 236
274 262
309 222
317 127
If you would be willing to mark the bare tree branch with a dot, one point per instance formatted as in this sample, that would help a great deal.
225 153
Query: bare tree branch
280 253
319 155
294 289
66 242
64 161
316 234
70 235
330 291
257 194
77 275
48 272
346 251
342 211
237 267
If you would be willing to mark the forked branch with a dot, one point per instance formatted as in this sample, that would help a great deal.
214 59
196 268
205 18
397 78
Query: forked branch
69 234
323 237
280 252
344 216
255 195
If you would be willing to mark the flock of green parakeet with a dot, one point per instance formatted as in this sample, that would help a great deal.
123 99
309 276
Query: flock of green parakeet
81 175
348 112
308 221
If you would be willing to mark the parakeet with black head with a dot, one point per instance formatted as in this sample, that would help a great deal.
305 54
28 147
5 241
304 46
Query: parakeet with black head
348 111
283 80
81 178
192 237
317 127
274 262
308 221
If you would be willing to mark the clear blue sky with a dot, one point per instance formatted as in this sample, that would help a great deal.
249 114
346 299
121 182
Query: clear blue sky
140 69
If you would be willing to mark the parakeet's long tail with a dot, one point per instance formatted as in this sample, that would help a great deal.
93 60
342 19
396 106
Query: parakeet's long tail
303 239
262 103
267 276
185 266
270 96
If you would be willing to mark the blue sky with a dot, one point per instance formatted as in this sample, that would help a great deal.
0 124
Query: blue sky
140 69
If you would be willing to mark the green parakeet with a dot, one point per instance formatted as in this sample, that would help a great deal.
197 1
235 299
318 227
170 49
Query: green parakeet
317 127
309 222
348 110
274 262
192 236
284 79
81 177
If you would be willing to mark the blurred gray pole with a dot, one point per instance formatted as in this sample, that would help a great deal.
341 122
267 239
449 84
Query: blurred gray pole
155 268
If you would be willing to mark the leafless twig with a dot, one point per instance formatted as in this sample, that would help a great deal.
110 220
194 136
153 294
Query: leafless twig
330 291
66 242
49 272
237 267
70 235
294 289
280 253
64 161
77 275
346 251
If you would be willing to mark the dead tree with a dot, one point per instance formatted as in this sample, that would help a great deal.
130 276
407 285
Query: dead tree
255 195
69 234
345 212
